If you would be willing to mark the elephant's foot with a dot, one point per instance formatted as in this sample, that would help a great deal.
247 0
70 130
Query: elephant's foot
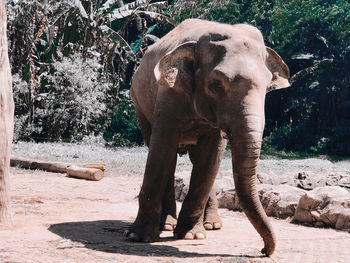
170 223
212 220
268 248
196 232
143 231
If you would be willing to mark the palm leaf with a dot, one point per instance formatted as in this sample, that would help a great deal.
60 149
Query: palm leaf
81 8
126 10
108 4
117 38
157 16
157 6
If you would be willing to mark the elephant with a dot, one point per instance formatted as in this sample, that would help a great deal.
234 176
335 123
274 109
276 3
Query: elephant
6 120
201 86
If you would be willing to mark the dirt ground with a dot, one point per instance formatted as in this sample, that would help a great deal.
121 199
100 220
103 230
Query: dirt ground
62 219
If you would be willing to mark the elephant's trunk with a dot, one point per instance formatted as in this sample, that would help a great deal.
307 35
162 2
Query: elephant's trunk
245 145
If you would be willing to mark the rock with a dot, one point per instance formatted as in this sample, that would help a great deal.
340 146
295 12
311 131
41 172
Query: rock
181 189
183 193
343 221
340 179
345 181
270 178
228 199
333 179
329 205
274 179
309 181
288 179
281 200
224 182
179 185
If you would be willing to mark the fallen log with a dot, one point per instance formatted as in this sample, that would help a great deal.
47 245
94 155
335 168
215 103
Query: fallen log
57 167
93 172
100 166
85 173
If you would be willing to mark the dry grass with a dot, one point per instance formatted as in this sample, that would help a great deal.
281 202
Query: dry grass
132 161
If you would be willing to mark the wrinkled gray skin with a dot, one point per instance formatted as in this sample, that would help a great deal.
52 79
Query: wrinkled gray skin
6 121
202 83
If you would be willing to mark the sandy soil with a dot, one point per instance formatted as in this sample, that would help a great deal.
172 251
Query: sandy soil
62 219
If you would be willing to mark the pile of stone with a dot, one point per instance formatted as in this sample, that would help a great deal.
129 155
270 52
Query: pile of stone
321 200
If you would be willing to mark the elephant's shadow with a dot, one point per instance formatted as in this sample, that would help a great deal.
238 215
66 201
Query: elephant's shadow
108 236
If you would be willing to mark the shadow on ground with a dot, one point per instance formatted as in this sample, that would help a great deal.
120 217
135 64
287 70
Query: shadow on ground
107 236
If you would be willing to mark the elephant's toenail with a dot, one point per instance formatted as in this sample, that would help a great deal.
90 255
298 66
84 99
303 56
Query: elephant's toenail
189 235
147 240
208 226
168 227
200 236
217 225
133 237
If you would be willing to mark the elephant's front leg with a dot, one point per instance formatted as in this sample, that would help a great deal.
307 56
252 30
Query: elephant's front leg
168 216
160 166
206 157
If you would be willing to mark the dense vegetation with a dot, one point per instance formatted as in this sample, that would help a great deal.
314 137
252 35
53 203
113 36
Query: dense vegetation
73 61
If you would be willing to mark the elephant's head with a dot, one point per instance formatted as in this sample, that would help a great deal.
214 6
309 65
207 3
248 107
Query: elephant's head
227 74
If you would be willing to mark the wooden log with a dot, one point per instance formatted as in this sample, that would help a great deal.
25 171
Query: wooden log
93 172
85 173
57 167
100 166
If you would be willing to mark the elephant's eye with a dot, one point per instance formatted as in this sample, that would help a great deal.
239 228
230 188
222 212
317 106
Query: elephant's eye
216 88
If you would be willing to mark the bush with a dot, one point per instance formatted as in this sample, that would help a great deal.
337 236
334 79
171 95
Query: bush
68 106
123 129
70 58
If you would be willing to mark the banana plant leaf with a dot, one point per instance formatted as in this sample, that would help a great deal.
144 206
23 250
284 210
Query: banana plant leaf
116 37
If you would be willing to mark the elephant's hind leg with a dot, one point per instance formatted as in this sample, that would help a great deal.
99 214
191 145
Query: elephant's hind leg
206 157
211 219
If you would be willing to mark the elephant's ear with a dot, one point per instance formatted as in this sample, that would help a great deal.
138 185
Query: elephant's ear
176 69
279 70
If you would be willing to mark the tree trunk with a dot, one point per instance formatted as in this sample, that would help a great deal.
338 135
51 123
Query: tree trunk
6 120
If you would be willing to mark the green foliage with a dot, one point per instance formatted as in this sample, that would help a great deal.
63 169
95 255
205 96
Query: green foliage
313 116
69 60
313 38
256 12
123 129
